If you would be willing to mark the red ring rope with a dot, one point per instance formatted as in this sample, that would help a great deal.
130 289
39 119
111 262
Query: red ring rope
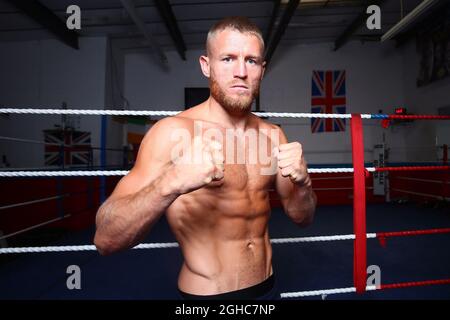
414 284
412 232
413 168
419 116
382 236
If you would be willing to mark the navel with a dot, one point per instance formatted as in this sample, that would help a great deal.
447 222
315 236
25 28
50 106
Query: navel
250 244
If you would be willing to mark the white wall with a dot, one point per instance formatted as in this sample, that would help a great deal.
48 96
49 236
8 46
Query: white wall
424 100
147 86
43 74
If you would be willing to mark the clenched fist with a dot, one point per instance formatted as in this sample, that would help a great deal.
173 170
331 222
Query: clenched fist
291 163
201 164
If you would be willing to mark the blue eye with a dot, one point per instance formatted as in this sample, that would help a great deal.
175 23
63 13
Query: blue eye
227 59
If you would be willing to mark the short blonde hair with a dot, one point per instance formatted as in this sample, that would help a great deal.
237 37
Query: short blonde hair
241 24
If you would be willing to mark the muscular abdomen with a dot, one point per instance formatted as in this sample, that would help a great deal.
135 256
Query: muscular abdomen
225 243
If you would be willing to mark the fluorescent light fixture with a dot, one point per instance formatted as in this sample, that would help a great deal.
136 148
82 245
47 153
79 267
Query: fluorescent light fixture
409 19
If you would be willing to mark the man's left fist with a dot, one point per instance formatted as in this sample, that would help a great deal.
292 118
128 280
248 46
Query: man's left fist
291 163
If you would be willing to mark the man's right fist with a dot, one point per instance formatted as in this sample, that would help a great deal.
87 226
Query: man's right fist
200 164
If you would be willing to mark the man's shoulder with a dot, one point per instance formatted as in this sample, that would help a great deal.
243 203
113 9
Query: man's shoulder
172 122
272 128
264 124
163 129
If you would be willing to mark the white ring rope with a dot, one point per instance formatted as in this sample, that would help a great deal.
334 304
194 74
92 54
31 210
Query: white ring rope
88 173
320 238
162 245
82 248
92 173
322 292
89 112
168 113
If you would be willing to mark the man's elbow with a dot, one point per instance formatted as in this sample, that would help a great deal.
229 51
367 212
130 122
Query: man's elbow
306 218
103 245
102 241
304 221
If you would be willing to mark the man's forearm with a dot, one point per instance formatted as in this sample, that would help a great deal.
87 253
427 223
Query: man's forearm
301 204
123 222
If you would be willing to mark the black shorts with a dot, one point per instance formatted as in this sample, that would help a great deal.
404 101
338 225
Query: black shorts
266 290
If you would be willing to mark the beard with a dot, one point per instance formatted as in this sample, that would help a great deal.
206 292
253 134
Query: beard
234 104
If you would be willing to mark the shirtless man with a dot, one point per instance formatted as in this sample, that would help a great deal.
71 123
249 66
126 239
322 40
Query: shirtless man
218 209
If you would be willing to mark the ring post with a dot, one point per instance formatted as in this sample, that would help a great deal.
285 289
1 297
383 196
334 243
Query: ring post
359 205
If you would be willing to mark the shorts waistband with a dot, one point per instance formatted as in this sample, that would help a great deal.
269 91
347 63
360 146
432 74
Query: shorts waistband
249 293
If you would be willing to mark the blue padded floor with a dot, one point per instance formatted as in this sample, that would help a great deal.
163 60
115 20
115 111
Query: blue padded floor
152 273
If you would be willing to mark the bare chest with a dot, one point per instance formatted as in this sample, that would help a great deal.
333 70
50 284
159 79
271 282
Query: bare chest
245 177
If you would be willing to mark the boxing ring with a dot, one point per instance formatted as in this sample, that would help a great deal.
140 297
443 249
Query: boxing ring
359 237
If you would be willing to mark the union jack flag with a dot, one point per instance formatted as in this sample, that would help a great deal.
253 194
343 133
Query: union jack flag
328 96
72 146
